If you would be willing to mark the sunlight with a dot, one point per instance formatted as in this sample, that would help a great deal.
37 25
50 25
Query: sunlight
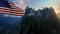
56 11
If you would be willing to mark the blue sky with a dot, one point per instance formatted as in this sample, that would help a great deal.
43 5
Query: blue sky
37 4
32 3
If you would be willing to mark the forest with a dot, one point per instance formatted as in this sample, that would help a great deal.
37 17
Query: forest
41 21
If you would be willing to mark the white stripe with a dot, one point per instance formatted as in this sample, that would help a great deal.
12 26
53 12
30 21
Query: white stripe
5 10
18 14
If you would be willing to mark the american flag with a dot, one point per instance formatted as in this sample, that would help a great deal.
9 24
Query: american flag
13 10
4 10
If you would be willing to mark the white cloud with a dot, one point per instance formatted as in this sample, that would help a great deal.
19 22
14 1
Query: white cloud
23 4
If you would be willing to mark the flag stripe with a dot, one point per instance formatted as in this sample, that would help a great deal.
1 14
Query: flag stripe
13 11
14 7
10 3
18 14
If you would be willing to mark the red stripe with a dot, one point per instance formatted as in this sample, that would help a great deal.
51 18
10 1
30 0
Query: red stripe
18 14
0 12
15 12
6 10
10 3
4 13
1 9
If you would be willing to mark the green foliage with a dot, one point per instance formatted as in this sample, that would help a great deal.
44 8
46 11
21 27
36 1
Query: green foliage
43 22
